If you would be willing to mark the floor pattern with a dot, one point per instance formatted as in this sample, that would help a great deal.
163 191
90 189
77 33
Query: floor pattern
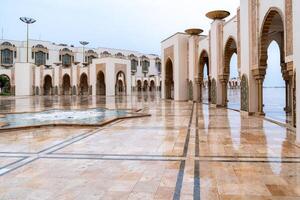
183 151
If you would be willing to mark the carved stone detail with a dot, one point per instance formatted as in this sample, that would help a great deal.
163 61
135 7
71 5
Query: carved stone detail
244 94
289 27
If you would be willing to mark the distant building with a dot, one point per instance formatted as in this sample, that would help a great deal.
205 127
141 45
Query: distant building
59 69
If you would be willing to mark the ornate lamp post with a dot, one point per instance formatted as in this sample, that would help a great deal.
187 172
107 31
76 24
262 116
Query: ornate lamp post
83 43
28 21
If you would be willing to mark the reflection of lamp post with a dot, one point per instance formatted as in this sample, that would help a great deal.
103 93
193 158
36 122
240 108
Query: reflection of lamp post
28 21
83 43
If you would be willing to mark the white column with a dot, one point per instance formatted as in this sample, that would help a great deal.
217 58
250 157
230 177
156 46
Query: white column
23 79
216 55
93 78
180 68
110 78
128 77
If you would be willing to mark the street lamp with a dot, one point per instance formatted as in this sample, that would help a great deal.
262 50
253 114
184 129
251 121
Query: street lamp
83 43
28 21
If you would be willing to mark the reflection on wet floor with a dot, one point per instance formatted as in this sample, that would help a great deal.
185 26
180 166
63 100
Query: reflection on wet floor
274 103
182 151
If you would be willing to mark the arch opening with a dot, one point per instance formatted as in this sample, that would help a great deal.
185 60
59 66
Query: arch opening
169 80
231 77
101 87
66 85
120 86
204 78
274 86
83 85
274 78
139 85
47 85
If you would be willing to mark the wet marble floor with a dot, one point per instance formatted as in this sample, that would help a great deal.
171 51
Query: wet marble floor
183 151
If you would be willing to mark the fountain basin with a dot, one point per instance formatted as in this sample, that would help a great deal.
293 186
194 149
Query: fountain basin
87 117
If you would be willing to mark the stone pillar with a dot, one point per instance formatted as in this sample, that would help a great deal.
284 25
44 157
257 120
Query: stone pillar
259 75
24 79
260 96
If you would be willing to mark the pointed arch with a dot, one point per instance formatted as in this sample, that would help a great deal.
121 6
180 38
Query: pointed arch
47 85
169 79
83 84
101 87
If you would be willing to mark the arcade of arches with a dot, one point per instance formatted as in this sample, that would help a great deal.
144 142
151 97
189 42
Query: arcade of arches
212 79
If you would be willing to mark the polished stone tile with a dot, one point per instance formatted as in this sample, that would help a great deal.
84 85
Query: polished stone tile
182 151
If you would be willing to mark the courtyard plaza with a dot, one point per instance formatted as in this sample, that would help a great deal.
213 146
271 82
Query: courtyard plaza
184 150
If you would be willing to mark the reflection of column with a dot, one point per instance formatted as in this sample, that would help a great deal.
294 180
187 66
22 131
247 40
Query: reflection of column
209 90
224 81
198 82
224 92
167 90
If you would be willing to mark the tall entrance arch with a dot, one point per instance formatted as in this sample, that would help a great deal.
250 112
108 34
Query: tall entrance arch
101 88
273 31
120 85
47 85
229 92
83 85
169 80
204 91
66 85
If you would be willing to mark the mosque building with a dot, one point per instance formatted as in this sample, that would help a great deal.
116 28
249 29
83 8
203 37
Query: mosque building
59 69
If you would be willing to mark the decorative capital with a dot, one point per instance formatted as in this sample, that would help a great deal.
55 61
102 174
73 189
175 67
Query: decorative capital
224 78
259 73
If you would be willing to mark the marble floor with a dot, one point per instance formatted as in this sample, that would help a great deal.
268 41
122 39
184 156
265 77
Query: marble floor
183 151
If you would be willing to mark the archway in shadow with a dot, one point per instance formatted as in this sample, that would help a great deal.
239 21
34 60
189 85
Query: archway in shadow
152 86
66 85
5 85
169 80
47 85
145 86
83 85
203 75
120 85
275 91
139 85
231 96
101 90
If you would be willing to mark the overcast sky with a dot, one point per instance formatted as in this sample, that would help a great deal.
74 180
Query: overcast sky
125 24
